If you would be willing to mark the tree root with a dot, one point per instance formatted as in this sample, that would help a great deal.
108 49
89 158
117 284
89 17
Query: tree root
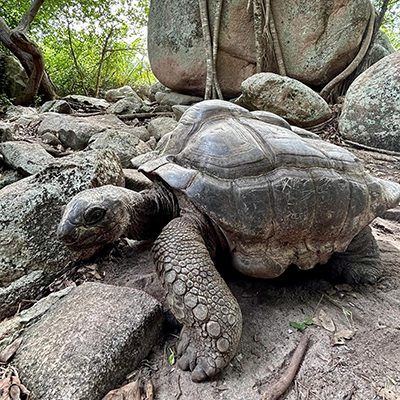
212 88
326 91
280 387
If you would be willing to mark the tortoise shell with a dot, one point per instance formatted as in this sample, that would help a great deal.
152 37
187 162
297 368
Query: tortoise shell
279 198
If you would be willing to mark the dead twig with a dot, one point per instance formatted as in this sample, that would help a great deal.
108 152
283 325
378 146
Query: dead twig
370 148
146 115
280 387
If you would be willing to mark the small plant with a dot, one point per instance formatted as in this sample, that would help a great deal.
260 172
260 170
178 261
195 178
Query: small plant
171 357
308 321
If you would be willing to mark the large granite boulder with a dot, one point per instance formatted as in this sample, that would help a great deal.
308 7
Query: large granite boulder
371 110
14 78
30 254
318 39
286 97
88 342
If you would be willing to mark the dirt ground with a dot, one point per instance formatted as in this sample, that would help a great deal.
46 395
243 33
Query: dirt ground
364 367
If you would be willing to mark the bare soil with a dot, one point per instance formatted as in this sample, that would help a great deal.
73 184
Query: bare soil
365 367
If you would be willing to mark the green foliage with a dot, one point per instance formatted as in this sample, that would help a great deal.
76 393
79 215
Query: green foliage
391 22
88 45
303 325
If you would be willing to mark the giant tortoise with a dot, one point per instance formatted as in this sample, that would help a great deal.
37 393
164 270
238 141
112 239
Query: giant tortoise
245 185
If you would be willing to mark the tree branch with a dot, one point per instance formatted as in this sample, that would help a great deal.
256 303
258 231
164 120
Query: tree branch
28 17
103 54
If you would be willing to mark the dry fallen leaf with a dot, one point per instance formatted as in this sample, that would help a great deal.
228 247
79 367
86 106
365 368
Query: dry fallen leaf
131 391
322 319
12 389
341 336
387 394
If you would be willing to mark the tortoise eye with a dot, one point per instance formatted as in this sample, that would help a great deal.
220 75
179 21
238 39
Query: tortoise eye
94 215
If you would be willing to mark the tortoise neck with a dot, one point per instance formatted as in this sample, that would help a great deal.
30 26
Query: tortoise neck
150 211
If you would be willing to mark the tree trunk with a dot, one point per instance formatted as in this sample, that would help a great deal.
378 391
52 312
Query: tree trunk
29 54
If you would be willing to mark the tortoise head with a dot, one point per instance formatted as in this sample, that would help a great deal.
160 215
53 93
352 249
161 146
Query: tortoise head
93 218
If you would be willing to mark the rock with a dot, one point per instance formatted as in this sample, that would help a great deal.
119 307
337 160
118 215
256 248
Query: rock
173 98
17 111
26 158
179 110
177 52
11 328
162 108
113 95
318 39
158 127
157 87
286 97
152 143
30 211
57 106
136 181
9 176
88 342
87 101
15 79
51 139
371 110
124 144
5 132
127 105
75 132
141 132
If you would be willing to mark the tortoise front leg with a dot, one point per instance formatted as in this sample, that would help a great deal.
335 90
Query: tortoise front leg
199 299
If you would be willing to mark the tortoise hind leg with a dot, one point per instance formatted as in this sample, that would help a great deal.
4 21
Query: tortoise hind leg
199 299
360 263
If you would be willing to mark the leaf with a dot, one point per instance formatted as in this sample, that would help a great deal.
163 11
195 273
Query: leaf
322 319
392 380
298 326
171 357
341 337
309 321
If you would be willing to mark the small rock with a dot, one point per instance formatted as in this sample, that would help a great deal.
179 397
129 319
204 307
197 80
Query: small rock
88 342
174 98
157 87
57 106
88 101
142 133
152 143
127 105
26 158
286 97
9 176
5 132
179 110
158 127
17 111
51 139
125 144
113 95
135 180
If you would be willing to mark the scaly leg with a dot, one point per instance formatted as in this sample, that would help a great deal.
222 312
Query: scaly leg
199 299
360 263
